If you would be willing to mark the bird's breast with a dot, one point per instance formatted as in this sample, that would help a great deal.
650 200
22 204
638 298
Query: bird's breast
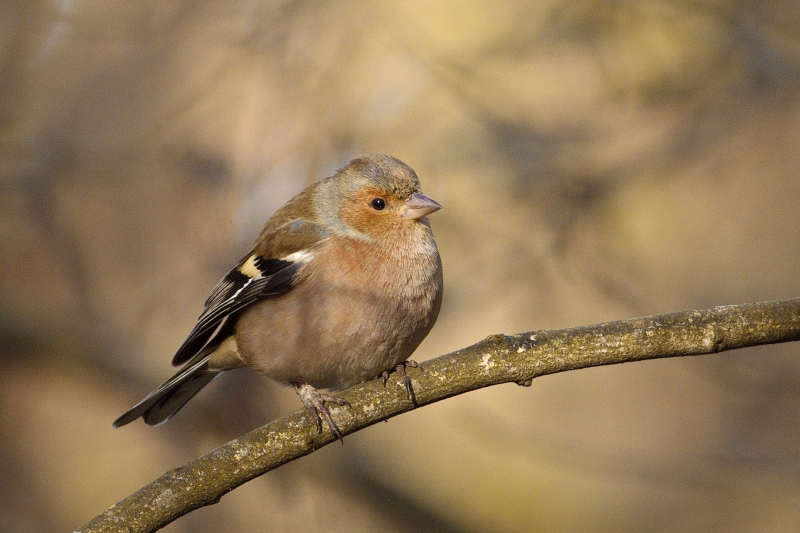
360 309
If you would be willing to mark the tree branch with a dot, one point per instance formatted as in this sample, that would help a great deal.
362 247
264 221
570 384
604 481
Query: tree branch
496 359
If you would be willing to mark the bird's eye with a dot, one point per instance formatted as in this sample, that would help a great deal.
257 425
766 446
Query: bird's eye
378 204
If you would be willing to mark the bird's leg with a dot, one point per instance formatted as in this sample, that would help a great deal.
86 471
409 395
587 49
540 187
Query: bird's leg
314 401
401 369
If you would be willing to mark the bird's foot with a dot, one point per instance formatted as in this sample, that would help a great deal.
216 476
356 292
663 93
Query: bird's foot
314 401
401 369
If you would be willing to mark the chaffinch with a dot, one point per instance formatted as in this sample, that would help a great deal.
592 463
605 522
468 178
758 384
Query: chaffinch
342 285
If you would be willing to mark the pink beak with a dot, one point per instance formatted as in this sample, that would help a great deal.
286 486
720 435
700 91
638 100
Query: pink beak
419 205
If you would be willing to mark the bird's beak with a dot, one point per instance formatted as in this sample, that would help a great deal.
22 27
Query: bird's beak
418 206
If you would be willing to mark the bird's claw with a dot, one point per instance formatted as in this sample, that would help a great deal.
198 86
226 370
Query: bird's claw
315 401
401 369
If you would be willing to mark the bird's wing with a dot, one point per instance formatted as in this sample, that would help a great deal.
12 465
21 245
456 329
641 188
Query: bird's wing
269 270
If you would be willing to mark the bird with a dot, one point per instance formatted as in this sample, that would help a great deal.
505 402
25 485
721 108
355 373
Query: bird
342 285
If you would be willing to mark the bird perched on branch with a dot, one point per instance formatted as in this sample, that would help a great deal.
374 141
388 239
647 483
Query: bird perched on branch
342 285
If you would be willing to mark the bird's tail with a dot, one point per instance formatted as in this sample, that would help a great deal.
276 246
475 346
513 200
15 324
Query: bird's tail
170 397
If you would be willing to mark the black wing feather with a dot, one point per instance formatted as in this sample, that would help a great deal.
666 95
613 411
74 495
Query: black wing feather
235 279
233 293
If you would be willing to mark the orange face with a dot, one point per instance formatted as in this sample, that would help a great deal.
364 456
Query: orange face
373 212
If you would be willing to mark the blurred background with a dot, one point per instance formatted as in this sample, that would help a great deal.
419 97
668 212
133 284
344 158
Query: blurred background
597 161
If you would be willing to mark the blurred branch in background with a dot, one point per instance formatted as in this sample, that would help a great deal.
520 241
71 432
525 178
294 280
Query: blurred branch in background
498 359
